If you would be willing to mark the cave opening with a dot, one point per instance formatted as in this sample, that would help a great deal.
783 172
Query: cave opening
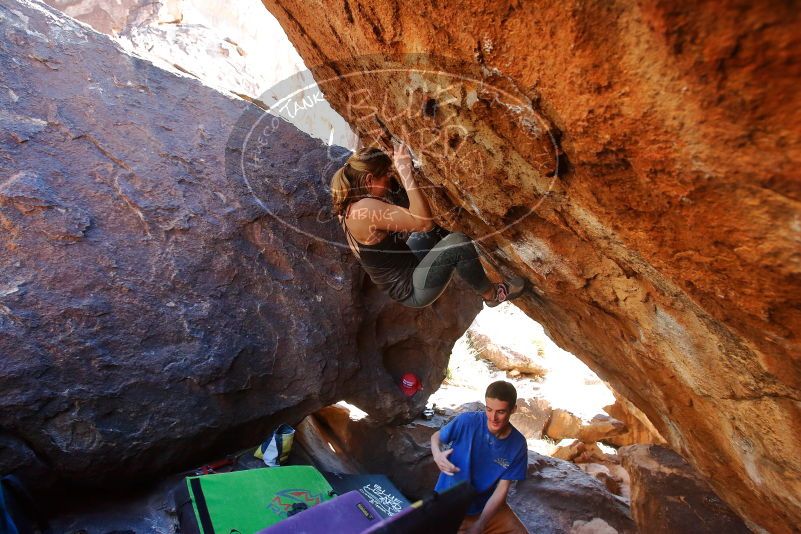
559 397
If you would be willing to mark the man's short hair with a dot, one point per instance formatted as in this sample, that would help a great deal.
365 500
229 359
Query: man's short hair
503 391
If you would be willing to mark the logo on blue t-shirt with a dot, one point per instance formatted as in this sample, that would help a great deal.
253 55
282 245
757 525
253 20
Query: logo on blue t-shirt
503 462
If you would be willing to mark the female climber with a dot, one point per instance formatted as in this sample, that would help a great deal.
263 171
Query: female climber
414 272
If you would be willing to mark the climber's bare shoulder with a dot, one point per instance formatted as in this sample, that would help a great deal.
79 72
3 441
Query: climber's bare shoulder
373 214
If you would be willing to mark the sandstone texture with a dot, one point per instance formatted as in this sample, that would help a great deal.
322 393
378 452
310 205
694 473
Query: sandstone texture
579 452
668 497
601 428
403 453
639 430
596 526
316 439
612 475
171 284
661 236
504 358
557 496
562 424
514 354
531 416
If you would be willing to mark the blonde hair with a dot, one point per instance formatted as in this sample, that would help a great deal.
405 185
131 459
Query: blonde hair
349 183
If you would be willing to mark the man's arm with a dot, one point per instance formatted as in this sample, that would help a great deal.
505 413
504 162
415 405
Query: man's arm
493 504
441 457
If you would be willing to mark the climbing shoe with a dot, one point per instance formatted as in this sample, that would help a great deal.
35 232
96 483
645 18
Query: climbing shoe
507 290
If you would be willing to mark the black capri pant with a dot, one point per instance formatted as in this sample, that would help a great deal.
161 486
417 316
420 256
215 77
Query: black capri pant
440 257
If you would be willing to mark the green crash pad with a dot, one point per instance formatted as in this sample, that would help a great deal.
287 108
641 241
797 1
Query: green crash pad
248 501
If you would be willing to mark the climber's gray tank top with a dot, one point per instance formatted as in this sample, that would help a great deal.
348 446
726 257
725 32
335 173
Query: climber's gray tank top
390 263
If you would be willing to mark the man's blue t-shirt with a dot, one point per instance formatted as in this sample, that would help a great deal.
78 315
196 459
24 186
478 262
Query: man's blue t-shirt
482 458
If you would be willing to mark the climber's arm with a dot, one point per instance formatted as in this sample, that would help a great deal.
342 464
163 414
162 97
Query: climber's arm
494 504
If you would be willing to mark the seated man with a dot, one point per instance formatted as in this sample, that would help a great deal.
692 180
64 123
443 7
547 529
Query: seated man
484 449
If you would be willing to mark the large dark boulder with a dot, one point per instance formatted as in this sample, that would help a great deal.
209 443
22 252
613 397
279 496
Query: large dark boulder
171 281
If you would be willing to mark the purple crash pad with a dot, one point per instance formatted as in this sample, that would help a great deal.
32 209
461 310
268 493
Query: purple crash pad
347 514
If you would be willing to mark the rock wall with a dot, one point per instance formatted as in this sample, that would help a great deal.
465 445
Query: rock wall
114 17
171 282
403 452
235 47
663 241
557 496
667 497
638 428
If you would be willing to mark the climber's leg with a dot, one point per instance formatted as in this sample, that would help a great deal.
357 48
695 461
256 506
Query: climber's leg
421 243
455 252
